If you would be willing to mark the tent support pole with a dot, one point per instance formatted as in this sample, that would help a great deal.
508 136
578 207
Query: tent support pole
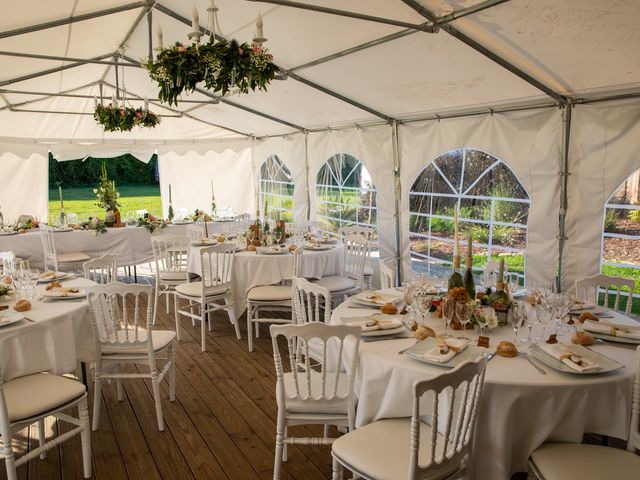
150 32
306 169
564 184
29 102
395 152
50 71
469 11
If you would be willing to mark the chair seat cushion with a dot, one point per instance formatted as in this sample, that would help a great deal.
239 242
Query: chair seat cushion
159 338
268 293
574 461
381 450
194 289
73 257
174 276
335 283
39 393
314 403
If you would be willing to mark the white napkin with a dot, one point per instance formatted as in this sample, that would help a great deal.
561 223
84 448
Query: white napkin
611 328
434 355
380 324
560 352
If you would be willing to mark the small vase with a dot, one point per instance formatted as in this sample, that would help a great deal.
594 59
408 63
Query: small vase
109 218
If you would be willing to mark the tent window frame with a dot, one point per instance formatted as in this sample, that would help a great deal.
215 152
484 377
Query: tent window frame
270 186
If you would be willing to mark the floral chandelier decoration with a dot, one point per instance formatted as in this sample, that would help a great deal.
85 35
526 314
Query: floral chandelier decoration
118 117
218 64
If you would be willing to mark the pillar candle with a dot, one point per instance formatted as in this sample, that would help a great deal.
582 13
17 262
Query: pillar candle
195 20
456 235
259 24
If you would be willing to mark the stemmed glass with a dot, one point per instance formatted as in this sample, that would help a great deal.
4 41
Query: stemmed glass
19 280
528 321
481 319
463 312
448 311
31 278
518 317
514 283
564 304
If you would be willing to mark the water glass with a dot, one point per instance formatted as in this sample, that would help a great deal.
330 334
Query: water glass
464 310
31 278
448 312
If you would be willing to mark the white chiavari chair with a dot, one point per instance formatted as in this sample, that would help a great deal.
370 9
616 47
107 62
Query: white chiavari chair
101 270
368 233
575 461
387 276
29 400
215 285
322 395
412 448
588 289
271 298
53 260
124 334
195 232
171 257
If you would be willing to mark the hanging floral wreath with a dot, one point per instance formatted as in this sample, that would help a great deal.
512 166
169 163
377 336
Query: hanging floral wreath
123 119
220 66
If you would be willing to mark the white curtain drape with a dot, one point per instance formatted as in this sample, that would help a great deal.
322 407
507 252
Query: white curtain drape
604 151
290 149
528 142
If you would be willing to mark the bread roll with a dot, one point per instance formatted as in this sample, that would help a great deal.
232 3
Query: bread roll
582 338
423 332
389 309
506 349
22 306
587 316
251 248
7 280
52 285
220 238
293 247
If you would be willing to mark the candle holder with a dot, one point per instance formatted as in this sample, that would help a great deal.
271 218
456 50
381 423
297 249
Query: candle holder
195 36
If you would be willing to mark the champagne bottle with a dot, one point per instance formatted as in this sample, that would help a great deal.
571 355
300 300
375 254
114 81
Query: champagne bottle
499 300
455 280
170 213
469 282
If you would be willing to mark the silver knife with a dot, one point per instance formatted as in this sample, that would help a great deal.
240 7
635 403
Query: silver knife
537 367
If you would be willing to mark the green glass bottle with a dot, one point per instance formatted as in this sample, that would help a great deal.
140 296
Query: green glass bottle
455 280
469 282
499 300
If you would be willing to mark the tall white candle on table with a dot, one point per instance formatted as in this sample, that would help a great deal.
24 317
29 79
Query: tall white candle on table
146 104
195 20
259 24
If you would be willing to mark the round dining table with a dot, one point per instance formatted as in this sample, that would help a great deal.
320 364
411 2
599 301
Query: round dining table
53 337
521 408
252 269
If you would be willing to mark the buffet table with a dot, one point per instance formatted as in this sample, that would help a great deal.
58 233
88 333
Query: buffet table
521 407
57 335
132 245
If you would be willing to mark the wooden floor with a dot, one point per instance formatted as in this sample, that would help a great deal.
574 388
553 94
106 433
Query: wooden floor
221 426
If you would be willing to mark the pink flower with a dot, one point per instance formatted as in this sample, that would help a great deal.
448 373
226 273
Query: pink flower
153 218
182 48
123 112
257 49
138 114
240 51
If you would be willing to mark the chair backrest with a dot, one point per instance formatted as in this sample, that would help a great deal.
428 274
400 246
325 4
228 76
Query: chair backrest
311 302
118 315
588 289
171 254
244 217
302 389
141 213
195 231
7 262
454 399
296 268
356 252
102 270
634 426
387 276
49 248
217 266
72 218
366 232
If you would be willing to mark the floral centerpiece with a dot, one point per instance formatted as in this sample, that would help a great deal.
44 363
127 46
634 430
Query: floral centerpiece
122 119
28 224
151 223
108 197
220 65
95 224
200 213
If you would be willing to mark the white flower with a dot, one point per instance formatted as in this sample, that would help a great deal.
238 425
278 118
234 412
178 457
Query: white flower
492 318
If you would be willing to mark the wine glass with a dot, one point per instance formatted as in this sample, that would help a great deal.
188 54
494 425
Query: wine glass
448 312
514 283
18 279
481 319
31 281
464 310
518 314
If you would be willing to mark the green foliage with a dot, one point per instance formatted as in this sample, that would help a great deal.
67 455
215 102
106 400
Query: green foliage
634 216
106 191
610 220
124 170
123 119
220 65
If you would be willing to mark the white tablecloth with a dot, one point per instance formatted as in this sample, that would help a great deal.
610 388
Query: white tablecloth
252 269
520 409
61 335
132 245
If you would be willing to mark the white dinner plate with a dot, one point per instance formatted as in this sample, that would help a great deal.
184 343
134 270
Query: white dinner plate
364 298
607 364
611 338
181 222
468 354
318 247
204 243
361 321
56 294
271 251
9 317
61 230
58 277
217 220
4 233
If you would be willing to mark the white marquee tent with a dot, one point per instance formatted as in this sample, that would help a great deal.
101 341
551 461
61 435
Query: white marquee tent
550 87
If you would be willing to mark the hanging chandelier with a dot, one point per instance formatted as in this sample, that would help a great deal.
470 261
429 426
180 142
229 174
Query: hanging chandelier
218 64
120 117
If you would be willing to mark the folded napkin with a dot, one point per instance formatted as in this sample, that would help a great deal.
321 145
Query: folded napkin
566 355
371 324
611 328
453 347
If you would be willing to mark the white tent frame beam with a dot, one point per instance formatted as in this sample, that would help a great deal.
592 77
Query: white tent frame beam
69 20
463 12
36 100
60 58
98 97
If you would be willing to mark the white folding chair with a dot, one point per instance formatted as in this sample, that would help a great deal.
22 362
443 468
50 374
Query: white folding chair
171 257
216 285
30 399
195 232
311 302
412 448
356 250
101 270
7 261
322 395
122 335
588 289
575 461
51 258
272 298
368 233
387 276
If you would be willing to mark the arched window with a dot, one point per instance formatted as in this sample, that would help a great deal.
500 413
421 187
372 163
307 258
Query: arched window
345 194
276 187
621 235
493 207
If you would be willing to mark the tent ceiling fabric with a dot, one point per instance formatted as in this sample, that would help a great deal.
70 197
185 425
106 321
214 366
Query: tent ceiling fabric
574 47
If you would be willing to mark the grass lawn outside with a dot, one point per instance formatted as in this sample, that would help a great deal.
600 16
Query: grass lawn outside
82 201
